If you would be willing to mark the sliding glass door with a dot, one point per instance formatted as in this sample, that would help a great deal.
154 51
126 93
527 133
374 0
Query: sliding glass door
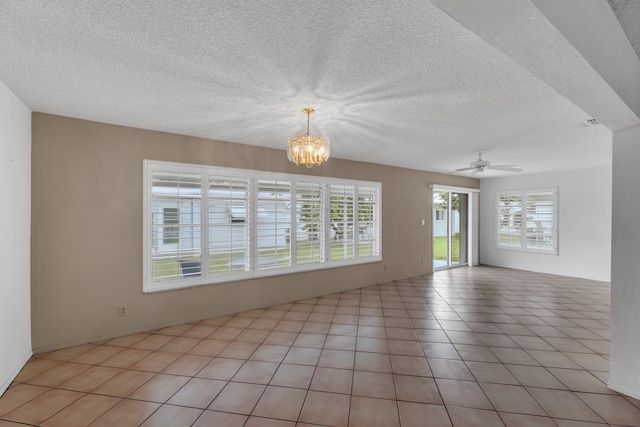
450 229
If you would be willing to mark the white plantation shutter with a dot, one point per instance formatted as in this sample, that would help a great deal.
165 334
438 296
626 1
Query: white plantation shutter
510 220
175 225
310 221
229 224
273 233
527 220
541 220
211 225
368 226
341 208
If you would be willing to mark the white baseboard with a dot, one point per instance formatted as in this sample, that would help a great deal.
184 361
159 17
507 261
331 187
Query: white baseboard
627 391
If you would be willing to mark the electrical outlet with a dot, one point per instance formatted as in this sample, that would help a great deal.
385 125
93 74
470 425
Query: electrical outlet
421 260
122 311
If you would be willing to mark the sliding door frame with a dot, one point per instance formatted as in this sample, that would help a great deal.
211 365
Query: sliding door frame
473 201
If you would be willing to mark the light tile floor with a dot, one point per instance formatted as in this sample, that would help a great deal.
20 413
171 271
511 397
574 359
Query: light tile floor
464 347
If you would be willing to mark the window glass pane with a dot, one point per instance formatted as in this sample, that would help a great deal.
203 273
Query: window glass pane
510 220
368 244
228 224
175 225
341 209
540 221
310 223
273 233
440 229
459 229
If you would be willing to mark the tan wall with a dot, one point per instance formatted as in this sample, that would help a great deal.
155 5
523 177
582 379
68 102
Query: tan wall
87 231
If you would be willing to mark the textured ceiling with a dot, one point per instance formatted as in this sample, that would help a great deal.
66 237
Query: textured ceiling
628 13
398 83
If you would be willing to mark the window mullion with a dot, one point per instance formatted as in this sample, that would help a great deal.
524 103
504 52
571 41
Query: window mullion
148 227
356 218
554 231
378 220
253 213
324 208
523 220
293 224
449 228
204 226
326 236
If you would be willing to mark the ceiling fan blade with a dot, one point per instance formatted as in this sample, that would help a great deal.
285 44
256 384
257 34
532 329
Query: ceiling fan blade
507 168
462 169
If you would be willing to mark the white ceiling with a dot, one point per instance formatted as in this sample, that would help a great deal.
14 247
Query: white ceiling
397 83
628 13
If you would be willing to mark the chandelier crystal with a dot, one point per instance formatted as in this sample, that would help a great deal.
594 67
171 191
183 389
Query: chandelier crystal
308 149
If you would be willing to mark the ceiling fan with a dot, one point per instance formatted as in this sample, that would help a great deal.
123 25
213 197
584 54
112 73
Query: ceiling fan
480 166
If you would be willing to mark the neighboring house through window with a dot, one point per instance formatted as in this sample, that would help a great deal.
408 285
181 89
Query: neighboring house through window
170 228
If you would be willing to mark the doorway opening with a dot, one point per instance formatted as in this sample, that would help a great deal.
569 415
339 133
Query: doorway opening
451 223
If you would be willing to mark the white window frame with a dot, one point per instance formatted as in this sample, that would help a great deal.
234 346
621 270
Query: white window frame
253 270
552 247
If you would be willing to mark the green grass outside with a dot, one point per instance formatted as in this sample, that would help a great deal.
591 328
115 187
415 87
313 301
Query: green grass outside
440 248
440 245
167 269
510 239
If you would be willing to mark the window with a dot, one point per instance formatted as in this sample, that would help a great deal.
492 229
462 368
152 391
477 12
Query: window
175 222
368 221
311 219
228 226
527 220
273 228
211 225
342 219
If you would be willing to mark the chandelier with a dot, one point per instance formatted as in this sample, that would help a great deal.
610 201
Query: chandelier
308 149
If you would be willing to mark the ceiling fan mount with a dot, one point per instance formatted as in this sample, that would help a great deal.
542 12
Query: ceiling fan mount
481 165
